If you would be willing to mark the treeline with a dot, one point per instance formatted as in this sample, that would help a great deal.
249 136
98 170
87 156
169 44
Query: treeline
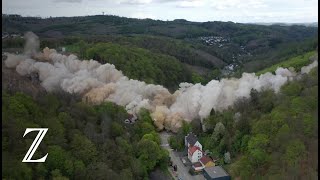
82 142
155 55
184 51
296 62
282 52
177 29
137 63
266 136
276 136
259 40
250 47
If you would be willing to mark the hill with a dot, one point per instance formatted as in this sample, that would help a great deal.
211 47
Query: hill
248 47
274 136
269 135
295 62
83 141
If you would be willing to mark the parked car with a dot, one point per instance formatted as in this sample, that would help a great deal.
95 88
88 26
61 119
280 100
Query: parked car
175 168
183 161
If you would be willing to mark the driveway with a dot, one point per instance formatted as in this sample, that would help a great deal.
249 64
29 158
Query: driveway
181 169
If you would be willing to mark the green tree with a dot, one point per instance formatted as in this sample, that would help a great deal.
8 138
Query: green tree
294 152
116 129
219 131
82 148
186 128
126 174
56 175
153 137
292 89
149 153
57 157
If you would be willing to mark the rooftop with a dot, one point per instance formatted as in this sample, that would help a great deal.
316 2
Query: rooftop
205 159
193 149
197 164
191 139
216 171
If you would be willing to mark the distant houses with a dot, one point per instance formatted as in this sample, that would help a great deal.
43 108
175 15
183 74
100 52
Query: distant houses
201 162
6 35
214 40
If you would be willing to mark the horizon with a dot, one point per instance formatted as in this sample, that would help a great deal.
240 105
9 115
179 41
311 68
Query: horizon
261 23
251 11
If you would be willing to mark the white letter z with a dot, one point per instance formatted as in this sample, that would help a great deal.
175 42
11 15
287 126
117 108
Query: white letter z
35 144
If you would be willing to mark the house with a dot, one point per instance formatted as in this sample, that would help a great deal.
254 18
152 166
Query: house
131 119
215 173
206 161
194 154
194 148
197 167
192 140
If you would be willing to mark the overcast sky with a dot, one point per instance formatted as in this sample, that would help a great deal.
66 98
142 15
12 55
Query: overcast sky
291 11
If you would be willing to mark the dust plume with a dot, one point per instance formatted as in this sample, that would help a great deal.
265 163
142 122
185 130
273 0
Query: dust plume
97 83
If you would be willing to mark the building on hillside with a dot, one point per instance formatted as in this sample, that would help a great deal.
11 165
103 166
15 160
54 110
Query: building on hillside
131 119
215 173
194 154
192 140
194 148
206 161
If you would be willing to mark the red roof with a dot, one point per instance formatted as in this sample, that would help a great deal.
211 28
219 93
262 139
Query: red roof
193 149
205 159
197 165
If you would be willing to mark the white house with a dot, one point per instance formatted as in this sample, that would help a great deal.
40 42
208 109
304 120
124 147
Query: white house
194 154
194 148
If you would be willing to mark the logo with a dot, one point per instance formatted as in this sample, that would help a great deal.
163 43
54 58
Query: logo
35 144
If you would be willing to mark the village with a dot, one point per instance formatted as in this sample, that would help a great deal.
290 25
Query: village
6 35
194 162
214 40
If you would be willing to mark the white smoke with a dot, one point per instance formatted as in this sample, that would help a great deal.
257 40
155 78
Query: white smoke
32 44
307 69
103 82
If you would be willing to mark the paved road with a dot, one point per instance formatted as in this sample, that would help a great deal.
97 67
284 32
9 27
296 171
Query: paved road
182 170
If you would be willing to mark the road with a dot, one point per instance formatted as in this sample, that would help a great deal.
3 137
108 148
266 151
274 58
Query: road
182 170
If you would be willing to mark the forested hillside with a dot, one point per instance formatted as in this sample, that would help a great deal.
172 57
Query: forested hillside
231 48
296 62
141 64
85 142
267 136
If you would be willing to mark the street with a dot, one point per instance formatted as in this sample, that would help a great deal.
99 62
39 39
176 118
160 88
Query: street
182 170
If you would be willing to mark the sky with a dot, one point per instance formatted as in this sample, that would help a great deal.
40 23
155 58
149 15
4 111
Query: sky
242 11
